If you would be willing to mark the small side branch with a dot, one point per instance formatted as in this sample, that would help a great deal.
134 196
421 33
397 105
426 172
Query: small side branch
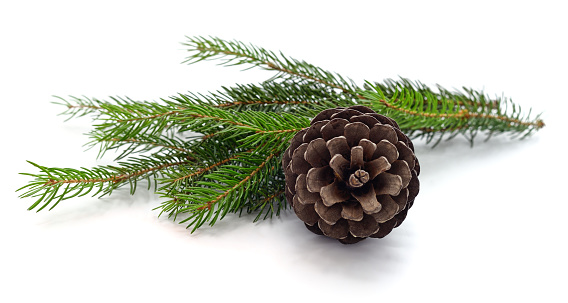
208 205
301 75
113 179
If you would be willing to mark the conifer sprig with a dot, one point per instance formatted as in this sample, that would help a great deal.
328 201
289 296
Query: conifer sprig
211 154
237 53
230 188
446 113
53 185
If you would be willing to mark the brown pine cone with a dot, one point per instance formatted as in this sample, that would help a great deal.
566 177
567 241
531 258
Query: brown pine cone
351 175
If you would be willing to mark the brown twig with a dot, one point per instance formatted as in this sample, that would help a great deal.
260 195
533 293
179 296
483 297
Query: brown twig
461 114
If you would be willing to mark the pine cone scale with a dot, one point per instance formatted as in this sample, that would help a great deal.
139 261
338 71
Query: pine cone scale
339 146
401 168
369 149
365 119
317 154
339 230
401 199
381 132
305 212
352 211
364 228
299 164
388 150
406 154
333 193
377 166
388 184
354 132
313 131
301 190
356 158
319 177
340 166
335 128
367 197
388 210
329 214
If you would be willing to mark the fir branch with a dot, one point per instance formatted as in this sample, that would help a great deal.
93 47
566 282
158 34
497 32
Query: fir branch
271 130
272 96
113 178
47 184
467 104
423 112
200 171
237 53
267 205
78 107
231 188
208 205
127 121
296 97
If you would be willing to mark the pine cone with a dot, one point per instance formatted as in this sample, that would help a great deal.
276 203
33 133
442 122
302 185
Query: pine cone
351 175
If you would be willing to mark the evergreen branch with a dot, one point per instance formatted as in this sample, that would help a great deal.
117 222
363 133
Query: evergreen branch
409 101
229 189
287 96
227 174
270 93
208 119
131 120
209 136
203 170
126 121
209 204
79 107
213 154
122 118
76 183
469 103
422 112
269 201
114 178
236 53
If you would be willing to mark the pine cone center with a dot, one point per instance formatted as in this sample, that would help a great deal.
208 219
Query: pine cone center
358 178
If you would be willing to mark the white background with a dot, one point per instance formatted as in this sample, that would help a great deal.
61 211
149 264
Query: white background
489 224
